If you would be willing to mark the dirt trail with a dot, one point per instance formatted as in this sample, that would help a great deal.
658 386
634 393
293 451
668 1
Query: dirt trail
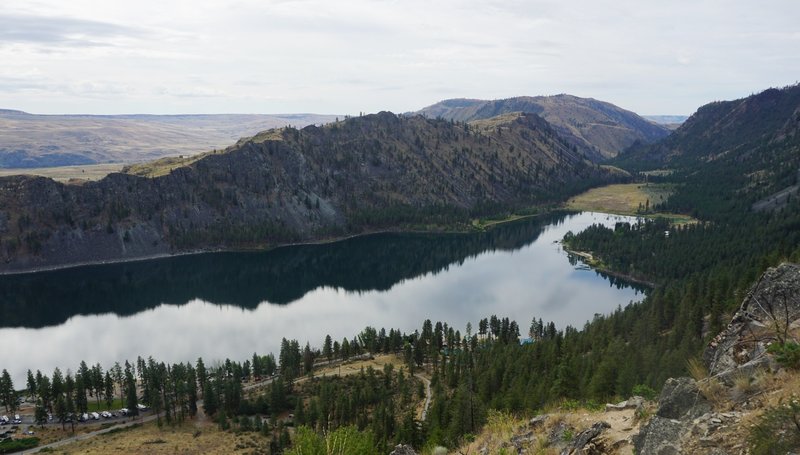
424 414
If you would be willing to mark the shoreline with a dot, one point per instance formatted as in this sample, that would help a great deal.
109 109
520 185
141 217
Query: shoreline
470 229
593 263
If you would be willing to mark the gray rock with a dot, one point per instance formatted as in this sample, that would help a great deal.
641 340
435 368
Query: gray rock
402 449
634 402
581 443
769 308
661 436
538 421
680 398
557 434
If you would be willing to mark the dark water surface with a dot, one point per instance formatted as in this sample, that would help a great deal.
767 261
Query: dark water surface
222 305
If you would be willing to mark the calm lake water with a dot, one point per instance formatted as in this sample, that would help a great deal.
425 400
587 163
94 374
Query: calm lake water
229 305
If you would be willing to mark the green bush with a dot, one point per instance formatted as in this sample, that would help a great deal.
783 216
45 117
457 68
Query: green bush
16 445
644 391
787 354
777 431
344 441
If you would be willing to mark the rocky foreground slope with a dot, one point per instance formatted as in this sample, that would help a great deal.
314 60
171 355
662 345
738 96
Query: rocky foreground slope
281 186
743 396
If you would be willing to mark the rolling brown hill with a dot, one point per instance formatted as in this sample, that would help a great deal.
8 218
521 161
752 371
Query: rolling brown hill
598 129
286 185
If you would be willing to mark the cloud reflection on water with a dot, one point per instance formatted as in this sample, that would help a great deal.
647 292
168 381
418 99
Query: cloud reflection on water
535 280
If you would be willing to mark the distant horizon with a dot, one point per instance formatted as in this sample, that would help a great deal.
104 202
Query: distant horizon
110 114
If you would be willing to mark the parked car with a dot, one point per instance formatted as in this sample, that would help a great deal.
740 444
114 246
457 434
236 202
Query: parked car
124 411
95 416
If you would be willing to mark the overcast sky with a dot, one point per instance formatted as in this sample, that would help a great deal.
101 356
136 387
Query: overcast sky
346 56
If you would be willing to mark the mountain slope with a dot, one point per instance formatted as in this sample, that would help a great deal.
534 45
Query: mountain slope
374 172
596 128
28 140
727 128
731 152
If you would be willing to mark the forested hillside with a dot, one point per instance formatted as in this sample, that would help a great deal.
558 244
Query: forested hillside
722 160
374 172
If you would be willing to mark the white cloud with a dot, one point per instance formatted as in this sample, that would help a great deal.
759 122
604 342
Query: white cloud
349 56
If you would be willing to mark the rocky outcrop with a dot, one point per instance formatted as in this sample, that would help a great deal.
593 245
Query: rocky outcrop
660 436
685 421
681 399
679 403
769 313
588 442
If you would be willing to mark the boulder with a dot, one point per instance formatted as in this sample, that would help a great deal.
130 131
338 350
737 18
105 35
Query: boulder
680 398
661 436
586 441
634 402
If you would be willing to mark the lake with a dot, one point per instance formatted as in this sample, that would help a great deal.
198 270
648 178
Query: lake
229 305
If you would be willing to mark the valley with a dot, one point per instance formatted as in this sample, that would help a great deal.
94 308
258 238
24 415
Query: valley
717 322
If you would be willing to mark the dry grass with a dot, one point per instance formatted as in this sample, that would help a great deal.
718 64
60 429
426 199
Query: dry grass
501 427
745 385
149 439
68 174
491 124
624 199
354 367
711 388
163 166
697 369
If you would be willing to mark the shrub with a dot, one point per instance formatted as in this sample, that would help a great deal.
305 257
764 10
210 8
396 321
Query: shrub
787 354
644 391
343 441
777 430
16 445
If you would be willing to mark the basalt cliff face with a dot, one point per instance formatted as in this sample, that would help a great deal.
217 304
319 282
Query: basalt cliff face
374 172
